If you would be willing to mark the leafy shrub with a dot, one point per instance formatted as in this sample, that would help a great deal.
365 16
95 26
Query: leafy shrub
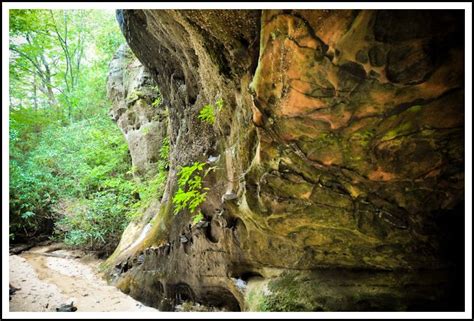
85 160
62 143
96 223
32 193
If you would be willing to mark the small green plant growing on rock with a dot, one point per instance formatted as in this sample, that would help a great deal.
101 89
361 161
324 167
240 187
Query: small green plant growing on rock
159 98
152 188
146 130
191 194
198 218
134 96
163 163
208 112
156 102
219 104
165 149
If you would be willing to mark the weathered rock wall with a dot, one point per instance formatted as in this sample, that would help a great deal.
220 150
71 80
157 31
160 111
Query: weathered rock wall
133 93
339 180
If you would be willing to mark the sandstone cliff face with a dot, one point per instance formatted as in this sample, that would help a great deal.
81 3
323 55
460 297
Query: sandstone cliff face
133 92
338 180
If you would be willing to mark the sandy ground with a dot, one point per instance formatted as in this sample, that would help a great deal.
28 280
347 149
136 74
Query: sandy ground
46 282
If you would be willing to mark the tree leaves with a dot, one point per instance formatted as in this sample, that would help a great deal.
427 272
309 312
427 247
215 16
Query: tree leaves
59 59
62 143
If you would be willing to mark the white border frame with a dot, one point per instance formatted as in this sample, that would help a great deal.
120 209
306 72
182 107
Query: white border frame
6 6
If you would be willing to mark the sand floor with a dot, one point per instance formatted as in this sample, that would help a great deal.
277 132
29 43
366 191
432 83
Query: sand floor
48 278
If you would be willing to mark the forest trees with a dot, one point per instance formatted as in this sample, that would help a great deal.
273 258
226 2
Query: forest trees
69 163
53 53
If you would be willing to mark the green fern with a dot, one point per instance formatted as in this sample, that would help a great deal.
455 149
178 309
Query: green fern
186 172
156 102
190 194
182 199
198 218
207 114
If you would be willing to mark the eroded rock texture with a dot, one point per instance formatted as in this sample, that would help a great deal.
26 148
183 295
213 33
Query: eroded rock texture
339 183
133 94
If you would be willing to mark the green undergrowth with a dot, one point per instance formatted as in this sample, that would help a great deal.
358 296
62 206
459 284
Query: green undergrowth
87 162
153 188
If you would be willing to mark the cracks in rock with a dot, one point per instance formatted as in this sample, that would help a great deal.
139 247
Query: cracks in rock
316 97
396 221
398 109
318 49
334 178
393 219
254 47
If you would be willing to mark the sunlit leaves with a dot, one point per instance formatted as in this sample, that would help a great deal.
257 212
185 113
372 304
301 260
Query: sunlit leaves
41 67
190 194
62 143
206 114
186 172
197 218
209 111
76 161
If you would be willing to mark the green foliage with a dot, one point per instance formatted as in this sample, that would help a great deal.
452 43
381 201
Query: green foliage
159 98
208 112
198 218
186 172
59 59
220 104
148 190
97 222
165 150
32 193
191 193
85 160
133 96
62 144
153 188
156 102
145 130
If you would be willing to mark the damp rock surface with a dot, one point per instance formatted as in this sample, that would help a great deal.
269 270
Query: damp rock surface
337 158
